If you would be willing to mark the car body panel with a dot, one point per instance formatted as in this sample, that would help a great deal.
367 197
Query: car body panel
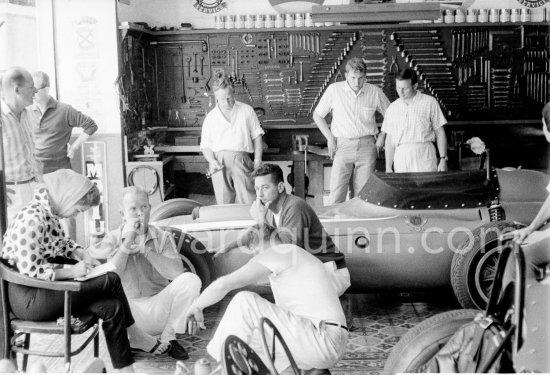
404 249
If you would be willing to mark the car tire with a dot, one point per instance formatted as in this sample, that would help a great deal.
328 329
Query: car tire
194 256
173 207
424 340
474 264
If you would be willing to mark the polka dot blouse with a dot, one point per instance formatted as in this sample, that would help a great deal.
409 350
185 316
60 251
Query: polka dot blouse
34 236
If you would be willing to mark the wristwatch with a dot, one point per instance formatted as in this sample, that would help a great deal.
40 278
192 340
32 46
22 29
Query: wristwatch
444 158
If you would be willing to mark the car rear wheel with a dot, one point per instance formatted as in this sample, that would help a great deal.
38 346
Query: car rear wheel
173 207
474 264
194 256
424 340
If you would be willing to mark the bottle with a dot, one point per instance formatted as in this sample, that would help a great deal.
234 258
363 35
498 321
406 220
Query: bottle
449 16
515 16
471 16
483 16
525 15
494 15
230 22
460 16
181 369
202 367
505 15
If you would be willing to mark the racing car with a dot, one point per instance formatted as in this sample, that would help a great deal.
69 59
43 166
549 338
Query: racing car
403 232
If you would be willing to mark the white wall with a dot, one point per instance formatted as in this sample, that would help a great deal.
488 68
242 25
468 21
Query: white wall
18 44
87 59
174 12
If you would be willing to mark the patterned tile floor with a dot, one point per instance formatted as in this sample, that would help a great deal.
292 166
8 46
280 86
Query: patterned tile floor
379 320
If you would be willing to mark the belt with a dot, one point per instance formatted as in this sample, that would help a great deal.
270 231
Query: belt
336 325
20 182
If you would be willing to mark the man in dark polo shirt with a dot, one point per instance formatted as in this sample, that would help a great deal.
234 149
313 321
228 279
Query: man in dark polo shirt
53 123
297 222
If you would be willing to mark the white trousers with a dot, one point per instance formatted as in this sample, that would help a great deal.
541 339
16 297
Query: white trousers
164 313
415 157
311 346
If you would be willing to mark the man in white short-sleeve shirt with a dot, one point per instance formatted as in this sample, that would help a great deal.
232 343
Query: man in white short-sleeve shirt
306 311
351 138
412 124
230 133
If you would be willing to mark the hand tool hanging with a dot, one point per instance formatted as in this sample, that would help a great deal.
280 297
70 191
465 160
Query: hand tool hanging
183 98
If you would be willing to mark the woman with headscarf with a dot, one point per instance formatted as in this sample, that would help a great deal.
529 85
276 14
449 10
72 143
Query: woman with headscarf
35 236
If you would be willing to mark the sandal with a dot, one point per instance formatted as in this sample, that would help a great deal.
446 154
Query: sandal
159 348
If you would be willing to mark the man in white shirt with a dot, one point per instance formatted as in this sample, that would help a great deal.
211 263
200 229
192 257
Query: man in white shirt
306 311
21 168
230 133
351 136
412 124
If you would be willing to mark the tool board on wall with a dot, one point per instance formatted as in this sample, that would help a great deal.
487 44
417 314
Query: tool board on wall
478 72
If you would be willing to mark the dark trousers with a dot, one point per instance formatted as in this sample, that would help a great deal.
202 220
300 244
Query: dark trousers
102 296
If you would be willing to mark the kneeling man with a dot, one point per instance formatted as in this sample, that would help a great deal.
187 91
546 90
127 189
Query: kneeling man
307 310
152 274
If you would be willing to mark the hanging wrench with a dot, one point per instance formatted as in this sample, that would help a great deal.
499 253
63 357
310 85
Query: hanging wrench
188 59
183 98
195 70
201 58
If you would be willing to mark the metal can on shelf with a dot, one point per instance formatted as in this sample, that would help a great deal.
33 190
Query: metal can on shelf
250 21
219 22
308 21
483 16
471 16
260 23
525 15
270 21
494 15
505 15
279 21
240 21
289 20
515 15
460 16
299 20
230 22
449 16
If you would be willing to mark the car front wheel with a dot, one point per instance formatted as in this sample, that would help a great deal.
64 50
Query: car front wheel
474 264
424 340
194 256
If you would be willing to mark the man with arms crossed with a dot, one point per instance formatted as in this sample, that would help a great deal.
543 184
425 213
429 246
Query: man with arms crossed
351 136
412 123
307 311
146 259
230 133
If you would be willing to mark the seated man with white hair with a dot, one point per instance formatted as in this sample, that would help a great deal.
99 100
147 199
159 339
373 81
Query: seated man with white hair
307 311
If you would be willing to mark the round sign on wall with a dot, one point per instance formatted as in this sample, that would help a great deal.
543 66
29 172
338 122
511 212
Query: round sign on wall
293 6
533 3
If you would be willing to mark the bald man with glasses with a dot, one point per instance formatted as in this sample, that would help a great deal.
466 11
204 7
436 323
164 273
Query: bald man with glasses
22 169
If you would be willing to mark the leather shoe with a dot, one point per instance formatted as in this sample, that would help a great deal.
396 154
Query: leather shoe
177 351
